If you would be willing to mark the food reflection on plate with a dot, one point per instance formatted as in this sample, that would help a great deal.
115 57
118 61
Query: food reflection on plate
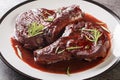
65 40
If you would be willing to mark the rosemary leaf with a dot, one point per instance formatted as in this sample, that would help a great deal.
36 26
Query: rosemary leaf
72 48
94 35
56 50
105 29
88 38
35 29
61 51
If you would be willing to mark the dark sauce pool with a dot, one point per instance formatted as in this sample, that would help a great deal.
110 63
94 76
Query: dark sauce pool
74 65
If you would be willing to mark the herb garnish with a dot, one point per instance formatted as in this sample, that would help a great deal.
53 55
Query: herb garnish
35 29
100 23
68 71
18 51
105 29
61 51
69 48
72 48
94 36
56 50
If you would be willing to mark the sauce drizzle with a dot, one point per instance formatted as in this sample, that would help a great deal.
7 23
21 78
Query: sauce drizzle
74 65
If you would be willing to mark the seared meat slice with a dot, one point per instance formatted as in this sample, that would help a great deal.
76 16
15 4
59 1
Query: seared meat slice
40 27
76 42
69 15
51 53
25 23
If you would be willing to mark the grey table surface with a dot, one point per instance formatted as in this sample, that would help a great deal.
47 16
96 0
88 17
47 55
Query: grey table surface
7 73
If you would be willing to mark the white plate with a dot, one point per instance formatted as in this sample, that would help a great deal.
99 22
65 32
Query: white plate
8 24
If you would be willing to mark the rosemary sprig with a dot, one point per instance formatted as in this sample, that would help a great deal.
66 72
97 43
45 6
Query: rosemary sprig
94 36
59 51
35 29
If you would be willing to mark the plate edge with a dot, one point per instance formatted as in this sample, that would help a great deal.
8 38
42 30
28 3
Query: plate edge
28 1
118 19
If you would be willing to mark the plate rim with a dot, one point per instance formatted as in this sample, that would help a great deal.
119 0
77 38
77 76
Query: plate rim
28 1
